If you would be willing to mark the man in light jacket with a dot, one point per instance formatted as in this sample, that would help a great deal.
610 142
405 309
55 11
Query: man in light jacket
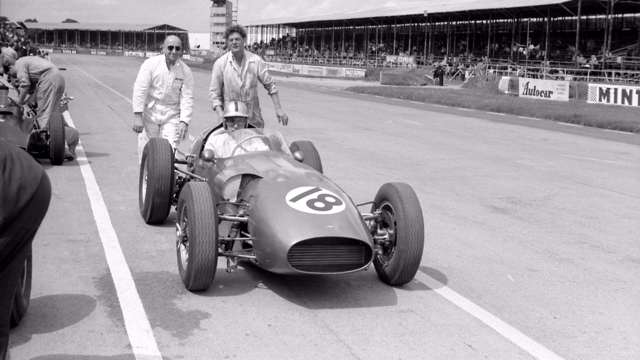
163 96
235 77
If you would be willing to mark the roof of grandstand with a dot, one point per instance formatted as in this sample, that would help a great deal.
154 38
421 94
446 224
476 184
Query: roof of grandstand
444 9
103 27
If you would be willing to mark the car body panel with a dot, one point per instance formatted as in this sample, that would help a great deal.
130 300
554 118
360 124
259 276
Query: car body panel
277 219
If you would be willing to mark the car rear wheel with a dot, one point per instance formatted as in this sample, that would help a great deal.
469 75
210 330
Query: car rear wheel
23 293
197 236
155 185
399 233
56 139
309 152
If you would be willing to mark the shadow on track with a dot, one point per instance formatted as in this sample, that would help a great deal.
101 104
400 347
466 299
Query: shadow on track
161 293
51 313
357 290
434 273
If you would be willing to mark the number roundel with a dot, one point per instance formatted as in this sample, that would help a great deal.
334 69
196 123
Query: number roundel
314 200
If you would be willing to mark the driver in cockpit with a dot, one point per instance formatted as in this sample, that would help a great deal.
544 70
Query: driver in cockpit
224 141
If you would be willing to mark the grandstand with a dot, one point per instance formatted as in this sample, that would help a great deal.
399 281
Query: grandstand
102 38
584 36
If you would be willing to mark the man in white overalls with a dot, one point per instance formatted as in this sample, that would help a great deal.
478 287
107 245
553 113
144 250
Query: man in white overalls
163 96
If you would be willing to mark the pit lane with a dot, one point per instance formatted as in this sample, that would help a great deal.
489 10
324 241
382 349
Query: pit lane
535 226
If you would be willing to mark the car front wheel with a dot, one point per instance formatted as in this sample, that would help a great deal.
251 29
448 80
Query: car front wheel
197 236
398 233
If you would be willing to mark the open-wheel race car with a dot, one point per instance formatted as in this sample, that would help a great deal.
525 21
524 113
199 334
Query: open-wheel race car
41 142
272 206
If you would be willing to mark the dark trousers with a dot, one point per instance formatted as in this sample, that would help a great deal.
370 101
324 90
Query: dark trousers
19 234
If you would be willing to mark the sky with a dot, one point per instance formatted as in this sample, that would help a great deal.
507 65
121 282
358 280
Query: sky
192 15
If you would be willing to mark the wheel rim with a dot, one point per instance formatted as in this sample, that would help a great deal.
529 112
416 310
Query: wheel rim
182 242
387 225
143 187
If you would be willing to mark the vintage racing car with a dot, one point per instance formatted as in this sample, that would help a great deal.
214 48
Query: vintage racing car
40 142
273 206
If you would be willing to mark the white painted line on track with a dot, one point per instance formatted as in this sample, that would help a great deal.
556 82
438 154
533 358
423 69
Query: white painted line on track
512 334
440 106
590 159
618 131
143 343
570 124
495 113
104 85
465 109
191 138
529 118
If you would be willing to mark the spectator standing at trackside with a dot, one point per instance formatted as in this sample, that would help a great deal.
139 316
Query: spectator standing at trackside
25 192
235 76
163 96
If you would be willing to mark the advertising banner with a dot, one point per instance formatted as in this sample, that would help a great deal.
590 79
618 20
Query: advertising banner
334 72
543 89
354 73
134 53
313 70
339 72
620 95
400 59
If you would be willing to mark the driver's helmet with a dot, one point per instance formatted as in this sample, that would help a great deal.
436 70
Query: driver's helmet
235 108
236 115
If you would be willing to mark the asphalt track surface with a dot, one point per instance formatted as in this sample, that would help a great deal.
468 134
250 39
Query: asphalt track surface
531 249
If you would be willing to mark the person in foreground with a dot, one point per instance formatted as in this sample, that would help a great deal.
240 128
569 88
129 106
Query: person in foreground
163 96
235 76
25 192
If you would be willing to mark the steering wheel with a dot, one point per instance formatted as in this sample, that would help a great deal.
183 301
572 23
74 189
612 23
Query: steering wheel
233 152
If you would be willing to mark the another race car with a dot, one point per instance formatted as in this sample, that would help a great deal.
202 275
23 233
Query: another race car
41 142
273 206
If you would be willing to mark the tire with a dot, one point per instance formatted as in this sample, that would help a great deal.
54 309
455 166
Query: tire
23 294
197 242
155 183
310 153
401 212
56 138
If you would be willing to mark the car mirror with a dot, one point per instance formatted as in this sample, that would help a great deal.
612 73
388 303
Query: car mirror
298 155
208 155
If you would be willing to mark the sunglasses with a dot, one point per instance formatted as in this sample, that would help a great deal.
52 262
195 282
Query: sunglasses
176 48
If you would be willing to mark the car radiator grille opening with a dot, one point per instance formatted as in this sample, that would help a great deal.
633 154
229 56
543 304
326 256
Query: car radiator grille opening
329 255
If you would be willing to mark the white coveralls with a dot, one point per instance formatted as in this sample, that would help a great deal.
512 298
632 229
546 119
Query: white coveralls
165 98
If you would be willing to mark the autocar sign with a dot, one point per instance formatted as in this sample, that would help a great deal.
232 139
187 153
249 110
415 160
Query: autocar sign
544 89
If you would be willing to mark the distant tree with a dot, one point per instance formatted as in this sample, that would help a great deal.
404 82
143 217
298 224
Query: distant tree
4 19
34 20
70 21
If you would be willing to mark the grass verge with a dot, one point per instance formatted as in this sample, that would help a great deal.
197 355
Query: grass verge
574 111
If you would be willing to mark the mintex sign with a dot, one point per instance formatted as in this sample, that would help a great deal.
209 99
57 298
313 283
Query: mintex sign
614 95
543 89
